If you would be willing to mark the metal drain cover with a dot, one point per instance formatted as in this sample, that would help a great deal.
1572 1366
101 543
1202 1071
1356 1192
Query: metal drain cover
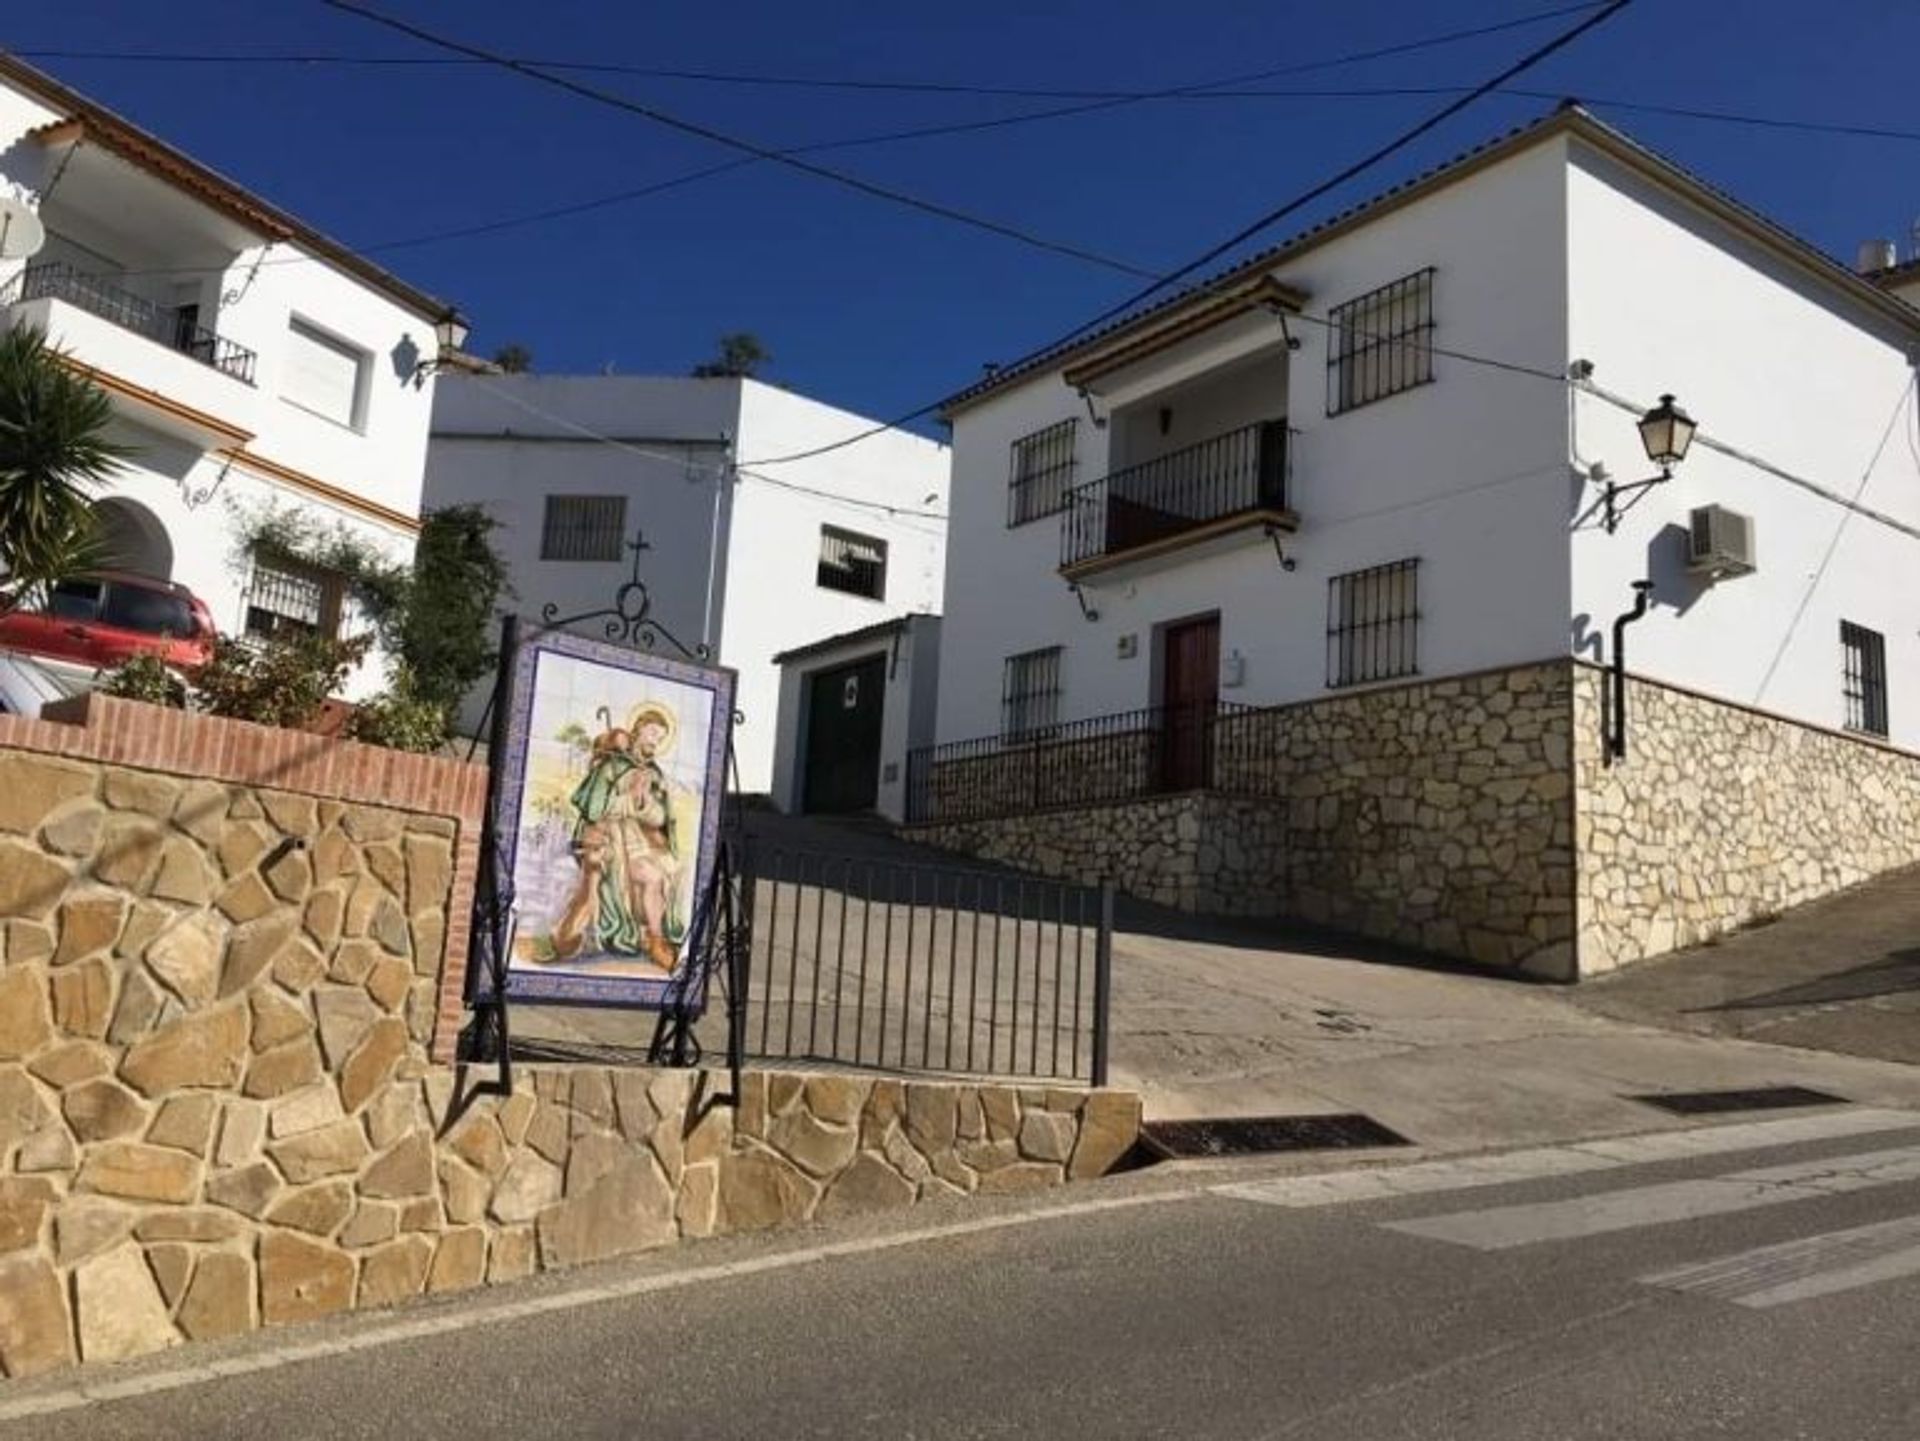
1257 1135
1765 1098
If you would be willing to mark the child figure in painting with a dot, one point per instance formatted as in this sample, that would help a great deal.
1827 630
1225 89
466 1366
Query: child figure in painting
629 824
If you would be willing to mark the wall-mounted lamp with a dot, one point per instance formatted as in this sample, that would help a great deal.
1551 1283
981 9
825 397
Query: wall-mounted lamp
449 336
1666 433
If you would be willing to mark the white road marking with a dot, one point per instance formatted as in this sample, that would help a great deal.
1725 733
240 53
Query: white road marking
1426 1177
110 1383
1500 1228
1800 1270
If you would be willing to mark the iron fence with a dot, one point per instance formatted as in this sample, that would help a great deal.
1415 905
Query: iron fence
1162 750
872 963
172 326
1243 470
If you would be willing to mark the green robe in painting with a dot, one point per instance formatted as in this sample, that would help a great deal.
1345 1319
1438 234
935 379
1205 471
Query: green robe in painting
599 801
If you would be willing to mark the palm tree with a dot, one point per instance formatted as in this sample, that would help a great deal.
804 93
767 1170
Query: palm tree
54 452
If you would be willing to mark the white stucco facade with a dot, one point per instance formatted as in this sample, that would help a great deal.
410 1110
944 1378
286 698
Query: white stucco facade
1544 249
734 548
180 294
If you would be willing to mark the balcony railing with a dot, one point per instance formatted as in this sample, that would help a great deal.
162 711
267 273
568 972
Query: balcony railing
1240 473
170 325
1215 746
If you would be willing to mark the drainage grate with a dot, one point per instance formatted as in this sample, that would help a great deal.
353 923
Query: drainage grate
1766 1098
1255 1135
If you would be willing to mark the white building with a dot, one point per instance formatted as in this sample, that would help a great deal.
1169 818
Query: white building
255 366
853 709
1358 484
744 560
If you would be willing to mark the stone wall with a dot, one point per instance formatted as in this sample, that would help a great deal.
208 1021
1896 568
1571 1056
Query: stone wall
1438 815
219 1106
1720 815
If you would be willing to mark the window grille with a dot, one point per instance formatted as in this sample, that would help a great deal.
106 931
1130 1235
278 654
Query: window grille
852 563
1042 473
583 527
1373 624
1381 343
287 599
1864 678
1030 694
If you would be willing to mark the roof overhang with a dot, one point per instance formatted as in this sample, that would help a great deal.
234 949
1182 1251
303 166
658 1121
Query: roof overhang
1569 119
64 137
1127 350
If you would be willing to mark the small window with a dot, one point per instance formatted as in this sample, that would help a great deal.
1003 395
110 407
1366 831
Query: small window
1042 473
583 527
1373 624
1864 678
1030 694
285 598
325 375
855 564
1380 344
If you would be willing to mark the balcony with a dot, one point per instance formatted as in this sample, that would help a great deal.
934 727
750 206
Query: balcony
171 326
1229 484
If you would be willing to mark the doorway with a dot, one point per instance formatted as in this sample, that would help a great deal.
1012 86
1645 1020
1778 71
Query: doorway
1189 695
845 709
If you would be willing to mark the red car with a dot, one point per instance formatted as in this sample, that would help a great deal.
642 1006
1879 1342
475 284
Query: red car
104 619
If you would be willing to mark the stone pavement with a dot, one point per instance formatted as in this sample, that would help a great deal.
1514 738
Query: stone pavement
1841 974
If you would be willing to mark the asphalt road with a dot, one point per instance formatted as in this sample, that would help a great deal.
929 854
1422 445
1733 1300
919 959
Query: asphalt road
1161 1304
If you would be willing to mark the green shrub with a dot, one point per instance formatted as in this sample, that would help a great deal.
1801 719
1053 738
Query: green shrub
147 678
399 720
284 681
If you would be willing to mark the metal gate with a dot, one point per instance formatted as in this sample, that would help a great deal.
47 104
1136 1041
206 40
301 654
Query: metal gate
904 967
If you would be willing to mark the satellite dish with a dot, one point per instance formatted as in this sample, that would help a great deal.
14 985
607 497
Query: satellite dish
21 233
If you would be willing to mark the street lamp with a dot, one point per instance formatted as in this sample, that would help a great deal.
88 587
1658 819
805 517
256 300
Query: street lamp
449 335
1666 432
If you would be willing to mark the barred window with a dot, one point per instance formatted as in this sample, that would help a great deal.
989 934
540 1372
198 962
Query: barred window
854 564
1373 624
1381 343
583 527
1864 678
1042 473
1030 694
286 598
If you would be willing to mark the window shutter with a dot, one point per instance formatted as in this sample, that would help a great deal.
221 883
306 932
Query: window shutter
321 374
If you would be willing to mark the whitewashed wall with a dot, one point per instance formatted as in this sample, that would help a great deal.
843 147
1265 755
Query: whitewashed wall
1777 365
773 600
1468 473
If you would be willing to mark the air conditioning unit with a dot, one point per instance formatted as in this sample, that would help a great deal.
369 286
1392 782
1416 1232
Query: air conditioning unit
1719 542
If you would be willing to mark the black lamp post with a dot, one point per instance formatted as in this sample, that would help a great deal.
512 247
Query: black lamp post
1666 432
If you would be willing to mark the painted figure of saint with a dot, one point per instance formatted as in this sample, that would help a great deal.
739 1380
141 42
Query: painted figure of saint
633 832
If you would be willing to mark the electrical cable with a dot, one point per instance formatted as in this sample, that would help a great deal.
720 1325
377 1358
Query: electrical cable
733 142
1349 172
1907 394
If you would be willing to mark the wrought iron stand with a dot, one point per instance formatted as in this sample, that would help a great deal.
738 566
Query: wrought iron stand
718 945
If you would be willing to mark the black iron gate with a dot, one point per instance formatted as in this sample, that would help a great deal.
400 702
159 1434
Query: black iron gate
905 967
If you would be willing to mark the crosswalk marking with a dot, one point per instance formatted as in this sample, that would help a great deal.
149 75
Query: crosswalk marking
1500 1228
1463 1173
1800 1270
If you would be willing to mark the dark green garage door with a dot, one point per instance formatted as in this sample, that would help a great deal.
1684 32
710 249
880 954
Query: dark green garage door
844 709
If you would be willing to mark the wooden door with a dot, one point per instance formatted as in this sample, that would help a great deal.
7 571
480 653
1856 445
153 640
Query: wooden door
845 708
1190 692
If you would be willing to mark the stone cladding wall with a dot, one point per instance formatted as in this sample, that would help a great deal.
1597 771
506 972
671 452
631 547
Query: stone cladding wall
1719 816
1437 815
219 1106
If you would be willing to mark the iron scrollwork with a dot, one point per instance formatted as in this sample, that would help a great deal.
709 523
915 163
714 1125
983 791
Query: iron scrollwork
630 619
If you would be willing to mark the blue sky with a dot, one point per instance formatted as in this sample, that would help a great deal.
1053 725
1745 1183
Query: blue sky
879 308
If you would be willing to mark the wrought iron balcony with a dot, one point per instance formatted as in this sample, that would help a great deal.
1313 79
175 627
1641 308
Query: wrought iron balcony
172 326
1217 485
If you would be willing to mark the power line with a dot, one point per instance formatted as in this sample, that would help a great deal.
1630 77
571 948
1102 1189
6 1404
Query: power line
734 142
1400 142
925 87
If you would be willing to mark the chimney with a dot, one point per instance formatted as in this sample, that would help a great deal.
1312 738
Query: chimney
1875 255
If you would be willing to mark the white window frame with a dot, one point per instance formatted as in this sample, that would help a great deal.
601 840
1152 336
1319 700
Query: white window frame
314 333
